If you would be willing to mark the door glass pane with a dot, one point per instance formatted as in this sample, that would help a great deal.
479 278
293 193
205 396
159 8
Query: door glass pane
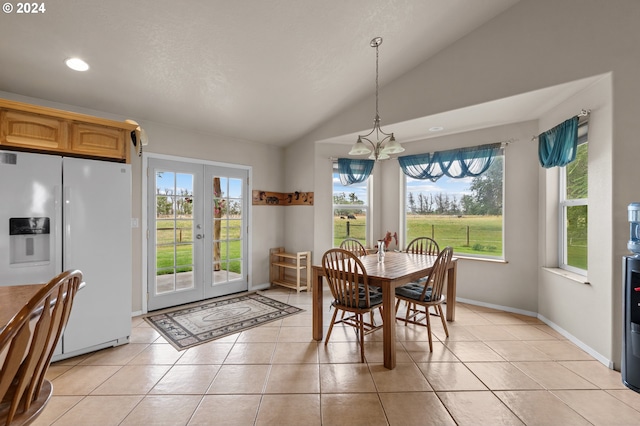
174 231
227 229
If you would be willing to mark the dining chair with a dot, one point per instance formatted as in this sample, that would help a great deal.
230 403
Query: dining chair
354 246
427 294
349 285
27 344
421 245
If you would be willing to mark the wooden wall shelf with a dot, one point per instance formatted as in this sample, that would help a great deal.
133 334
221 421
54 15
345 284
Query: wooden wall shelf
266 198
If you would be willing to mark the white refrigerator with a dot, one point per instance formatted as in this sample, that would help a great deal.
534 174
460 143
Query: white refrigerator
61 213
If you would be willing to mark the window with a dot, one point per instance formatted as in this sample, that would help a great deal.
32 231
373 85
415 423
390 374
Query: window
574 208
465 213
350 210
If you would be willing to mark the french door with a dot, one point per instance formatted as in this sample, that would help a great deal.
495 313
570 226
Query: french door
197 240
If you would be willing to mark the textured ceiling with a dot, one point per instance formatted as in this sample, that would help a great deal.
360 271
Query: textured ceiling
265 71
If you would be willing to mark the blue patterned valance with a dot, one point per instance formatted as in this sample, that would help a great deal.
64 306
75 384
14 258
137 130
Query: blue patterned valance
557 147
354 171
455 163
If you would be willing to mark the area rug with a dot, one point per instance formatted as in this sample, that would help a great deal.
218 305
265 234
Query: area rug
186 327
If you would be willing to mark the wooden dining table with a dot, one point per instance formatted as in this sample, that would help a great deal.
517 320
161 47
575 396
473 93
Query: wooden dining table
398 268
13 298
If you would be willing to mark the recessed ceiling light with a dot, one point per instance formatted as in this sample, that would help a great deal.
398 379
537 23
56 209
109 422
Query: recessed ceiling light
77 64
436 128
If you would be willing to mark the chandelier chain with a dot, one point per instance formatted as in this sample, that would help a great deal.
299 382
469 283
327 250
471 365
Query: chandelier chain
377 114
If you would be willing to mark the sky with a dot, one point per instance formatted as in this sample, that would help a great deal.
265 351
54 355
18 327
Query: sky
457 187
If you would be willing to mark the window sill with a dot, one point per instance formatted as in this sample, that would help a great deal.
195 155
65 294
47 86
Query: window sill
569 275
479 259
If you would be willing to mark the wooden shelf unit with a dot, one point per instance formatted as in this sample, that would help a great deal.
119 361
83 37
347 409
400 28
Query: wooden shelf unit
291 270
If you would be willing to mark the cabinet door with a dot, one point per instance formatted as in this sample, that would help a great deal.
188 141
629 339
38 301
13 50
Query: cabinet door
98 141
22 129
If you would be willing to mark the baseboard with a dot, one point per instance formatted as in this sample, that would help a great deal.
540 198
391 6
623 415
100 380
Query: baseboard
259 287
599 357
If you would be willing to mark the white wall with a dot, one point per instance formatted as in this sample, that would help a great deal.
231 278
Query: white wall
564 300
533 45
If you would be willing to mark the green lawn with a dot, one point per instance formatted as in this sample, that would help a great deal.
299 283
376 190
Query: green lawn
468 234
180 233
473 235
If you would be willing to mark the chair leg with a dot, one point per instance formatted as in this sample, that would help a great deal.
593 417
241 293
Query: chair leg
361 323
333 320
410 307
444 321
426 311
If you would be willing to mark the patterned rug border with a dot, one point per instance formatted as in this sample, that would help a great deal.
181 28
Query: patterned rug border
181 338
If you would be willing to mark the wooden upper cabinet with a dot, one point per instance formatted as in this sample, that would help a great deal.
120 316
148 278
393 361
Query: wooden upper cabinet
100 141
35 128
32 131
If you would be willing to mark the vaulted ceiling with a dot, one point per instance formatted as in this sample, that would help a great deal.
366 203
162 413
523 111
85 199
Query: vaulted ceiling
265 71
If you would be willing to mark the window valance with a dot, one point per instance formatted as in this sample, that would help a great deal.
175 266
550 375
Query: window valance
455 163
354 171
557 147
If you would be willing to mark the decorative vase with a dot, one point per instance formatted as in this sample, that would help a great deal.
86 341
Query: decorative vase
380 251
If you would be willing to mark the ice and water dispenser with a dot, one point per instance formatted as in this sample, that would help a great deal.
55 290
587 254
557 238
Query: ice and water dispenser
29 240
631 301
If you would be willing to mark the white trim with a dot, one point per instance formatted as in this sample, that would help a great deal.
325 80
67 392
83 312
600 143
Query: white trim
498 307
592 352
582 279
145 166
197 161
603 360
144 231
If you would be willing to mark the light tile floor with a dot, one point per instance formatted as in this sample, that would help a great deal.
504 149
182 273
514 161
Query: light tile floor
495 368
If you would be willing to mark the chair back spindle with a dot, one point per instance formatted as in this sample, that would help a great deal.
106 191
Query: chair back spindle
354 246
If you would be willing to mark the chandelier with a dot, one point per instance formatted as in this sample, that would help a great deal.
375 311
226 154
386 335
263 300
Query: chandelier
383 143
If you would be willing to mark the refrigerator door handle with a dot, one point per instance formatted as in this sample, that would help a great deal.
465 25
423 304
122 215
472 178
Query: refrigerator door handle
57 227
66 214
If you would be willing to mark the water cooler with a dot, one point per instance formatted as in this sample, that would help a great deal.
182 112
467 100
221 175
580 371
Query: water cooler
631 302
